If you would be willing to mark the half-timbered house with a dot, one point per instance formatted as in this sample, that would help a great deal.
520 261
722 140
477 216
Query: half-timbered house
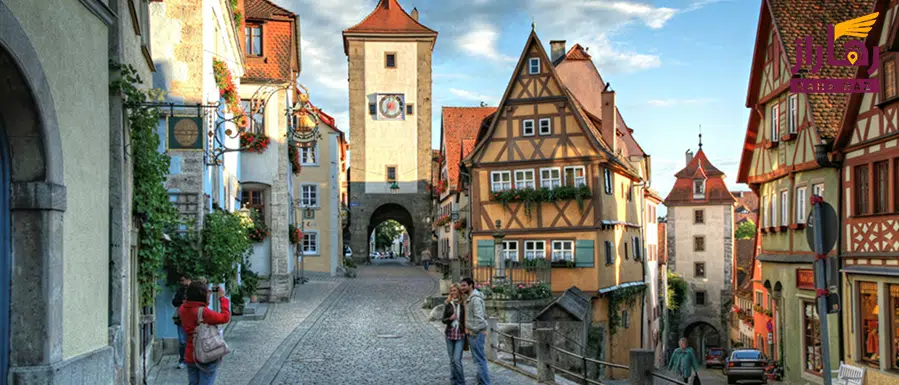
870 211
779 164
547 177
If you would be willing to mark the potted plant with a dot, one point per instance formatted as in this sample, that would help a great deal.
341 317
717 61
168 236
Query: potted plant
249 283
350 265
446 281
237 301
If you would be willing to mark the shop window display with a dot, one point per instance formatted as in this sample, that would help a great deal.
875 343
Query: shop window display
870 342
811 341
894 327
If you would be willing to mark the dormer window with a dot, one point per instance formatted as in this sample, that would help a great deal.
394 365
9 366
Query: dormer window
534 65
699 188
254 39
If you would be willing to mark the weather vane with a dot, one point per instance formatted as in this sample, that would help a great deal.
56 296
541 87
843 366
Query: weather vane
700 137
533 23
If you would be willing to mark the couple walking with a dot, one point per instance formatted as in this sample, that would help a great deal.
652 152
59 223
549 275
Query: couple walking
466 329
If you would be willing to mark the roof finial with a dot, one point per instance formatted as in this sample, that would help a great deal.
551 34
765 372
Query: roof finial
533 24
700 137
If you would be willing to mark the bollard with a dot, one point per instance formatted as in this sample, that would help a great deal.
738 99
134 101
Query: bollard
544 341
641 367
492 338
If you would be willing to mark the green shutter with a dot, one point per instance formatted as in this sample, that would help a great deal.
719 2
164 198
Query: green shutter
583 254
485 253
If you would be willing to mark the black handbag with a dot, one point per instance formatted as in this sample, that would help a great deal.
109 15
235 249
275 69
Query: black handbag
696 380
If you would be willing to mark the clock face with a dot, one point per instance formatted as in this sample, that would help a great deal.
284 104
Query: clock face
391 106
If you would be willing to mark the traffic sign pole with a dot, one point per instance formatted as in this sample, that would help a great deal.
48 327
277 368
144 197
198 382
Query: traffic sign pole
821 291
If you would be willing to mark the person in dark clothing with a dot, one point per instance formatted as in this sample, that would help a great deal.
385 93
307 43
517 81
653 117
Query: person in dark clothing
180 296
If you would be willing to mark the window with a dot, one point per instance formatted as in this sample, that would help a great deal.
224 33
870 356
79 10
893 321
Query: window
818 189
869 337
784 207
391 173
773 209
889 79
699 269
625 319
610 258
550 177
527 127
607 177
759 298
308 155
372 109
254 200
626 254
510 250
893 327
254 39
766 218
546 126
524 179
534 65
793 114
310 242
801 205
775 122
861 190
881 186
535 249
410 110
638 249
811 342
700 298
390 60
575 176
698 216
699 188
699 243
310 195
257 119
500 181
563 251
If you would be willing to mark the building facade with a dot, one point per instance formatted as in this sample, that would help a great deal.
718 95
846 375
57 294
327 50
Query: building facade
701 250
652 303
389 54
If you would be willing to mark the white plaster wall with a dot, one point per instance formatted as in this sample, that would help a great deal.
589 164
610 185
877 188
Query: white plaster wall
334 230
651 239
263 168
713 256
391 142
261 260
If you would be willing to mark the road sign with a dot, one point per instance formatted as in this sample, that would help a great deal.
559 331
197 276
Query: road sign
829 228
770 326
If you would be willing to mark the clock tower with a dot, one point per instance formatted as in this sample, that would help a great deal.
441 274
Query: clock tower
389 55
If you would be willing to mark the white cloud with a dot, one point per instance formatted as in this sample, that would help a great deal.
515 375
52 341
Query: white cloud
481 41
653 17
678 102
468 95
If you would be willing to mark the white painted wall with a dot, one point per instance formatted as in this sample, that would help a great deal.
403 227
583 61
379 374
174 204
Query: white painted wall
713 229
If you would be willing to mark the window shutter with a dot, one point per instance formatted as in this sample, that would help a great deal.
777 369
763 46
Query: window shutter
485 253
583 254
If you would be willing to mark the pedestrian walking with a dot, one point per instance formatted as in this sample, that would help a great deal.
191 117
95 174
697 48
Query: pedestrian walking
198 300
476 327
426 259
180 294
683 362
454 318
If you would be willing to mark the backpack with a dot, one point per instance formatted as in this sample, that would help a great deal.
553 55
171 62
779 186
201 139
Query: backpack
209 345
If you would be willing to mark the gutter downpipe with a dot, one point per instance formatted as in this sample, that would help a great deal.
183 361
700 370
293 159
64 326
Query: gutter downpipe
821 156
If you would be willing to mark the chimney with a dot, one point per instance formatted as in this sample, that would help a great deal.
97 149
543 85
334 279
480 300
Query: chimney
609 121
415 14
689 157
557 49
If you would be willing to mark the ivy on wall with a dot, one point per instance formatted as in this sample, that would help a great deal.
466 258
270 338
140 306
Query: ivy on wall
529 196
150 200
626 297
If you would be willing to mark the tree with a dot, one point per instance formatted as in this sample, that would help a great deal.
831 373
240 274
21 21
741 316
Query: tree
745 230
386 232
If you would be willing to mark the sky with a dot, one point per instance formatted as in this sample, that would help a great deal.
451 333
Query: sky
675 65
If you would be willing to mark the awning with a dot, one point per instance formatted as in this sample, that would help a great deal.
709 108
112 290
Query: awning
871 270
621 286
614 223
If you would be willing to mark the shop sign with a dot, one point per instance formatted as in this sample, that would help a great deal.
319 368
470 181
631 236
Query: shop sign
805 279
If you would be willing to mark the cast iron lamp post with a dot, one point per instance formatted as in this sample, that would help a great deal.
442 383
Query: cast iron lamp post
500 263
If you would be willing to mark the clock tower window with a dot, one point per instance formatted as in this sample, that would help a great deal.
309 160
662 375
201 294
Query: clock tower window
409 109
390 60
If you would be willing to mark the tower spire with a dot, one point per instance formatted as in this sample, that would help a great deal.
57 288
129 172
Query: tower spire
700 137
533 23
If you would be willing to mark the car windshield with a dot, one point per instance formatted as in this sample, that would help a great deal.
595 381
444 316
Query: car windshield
747 355
716 353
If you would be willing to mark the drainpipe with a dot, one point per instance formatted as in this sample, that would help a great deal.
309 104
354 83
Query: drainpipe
827 157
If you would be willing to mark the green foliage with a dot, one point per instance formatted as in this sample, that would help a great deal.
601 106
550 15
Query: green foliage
529 196
256 227
508 291
225 243
249 280
386 232
349 263
745 230
625 296
677 291
238 17
150 200
183 257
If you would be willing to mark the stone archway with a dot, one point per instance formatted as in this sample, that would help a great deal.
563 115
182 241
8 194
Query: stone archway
395 212
34 200
702 335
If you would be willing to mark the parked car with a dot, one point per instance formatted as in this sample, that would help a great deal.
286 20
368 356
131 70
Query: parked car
715 357
748 365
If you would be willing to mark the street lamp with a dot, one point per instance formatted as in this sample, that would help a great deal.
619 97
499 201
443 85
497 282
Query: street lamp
498 238
394 188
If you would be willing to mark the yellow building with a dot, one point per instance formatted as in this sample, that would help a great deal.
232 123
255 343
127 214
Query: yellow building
548 174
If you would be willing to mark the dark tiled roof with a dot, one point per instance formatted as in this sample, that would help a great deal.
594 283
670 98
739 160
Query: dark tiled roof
264 9
389 17
459 124
795 19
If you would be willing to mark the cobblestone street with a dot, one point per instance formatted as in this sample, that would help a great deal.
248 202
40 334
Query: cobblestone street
368 330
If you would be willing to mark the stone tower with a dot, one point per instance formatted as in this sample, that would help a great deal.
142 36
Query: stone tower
389 55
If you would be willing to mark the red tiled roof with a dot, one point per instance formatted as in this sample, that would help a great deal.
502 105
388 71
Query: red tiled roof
744 255
715 188
460 124
795 19
389 17
468 146
699 161
750 202
577 52
264 9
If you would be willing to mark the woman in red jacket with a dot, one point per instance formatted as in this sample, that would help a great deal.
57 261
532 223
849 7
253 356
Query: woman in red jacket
198 299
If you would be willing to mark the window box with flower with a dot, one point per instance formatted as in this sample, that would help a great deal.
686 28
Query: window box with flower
444 220
254 142
460 224
258 231
296 235
293 153
529 196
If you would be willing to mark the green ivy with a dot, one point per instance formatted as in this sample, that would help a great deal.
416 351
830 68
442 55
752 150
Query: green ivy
624 296
529 196
238 17
150 200
677 291
225 243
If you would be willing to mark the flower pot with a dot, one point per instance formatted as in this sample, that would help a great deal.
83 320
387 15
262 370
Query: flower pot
445 286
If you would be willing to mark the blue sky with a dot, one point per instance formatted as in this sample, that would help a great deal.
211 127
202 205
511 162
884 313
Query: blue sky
674 64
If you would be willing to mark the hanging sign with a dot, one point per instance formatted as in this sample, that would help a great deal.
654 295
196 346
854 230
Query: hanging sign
185 133
805 279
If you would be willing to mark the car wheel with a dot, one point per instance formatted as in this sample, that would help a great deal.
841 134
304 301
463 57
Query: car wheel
707 366
730 381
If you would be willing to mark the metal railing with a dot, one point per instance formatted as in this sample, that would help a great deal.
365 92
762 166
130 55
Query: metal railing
584 367
514 351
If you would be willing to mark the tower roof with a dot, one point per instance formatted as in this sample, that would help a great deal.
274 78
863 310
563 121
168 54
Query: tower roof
699 168
389 18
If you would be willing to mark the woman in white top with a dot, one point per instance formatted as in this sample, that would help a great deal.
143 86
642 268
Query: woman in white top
454 318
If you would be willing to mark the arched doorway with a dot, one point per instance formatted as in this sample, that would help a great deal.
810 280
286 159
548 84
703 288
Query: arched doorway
391 211
5 249
702 336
